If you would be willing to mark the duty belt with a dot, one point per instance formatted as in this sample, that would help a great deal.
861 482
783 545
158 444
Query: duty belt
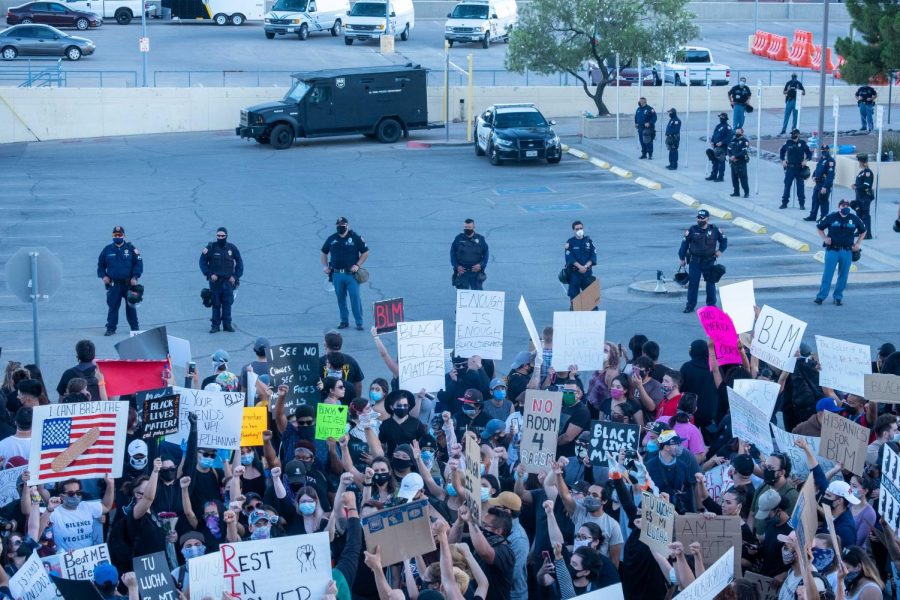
341 271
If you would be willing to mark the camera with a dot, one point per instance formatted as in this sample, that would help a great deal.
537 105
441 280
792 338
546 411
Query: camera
631 460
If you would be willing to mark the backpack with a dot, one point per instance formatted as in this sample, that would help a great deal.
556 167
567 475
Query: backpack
89 374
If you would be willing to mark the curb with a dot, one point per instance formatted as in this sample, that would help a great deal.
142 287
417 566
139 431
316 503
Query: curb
768 283
717 212
820 256
749 225
792 243
686 200
621 172
650 185
577 153
599 163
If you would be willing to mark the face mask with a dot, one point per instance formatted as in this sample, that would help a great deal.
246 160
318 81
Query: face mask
677 450
375 396
246 459
221 241
829 502
260 533
770 476
795 137
616 393
71 501
667 389
451 490
773 520
206 462
896 437
167 475
469 232
118 241
380 479
190 552
845 211
723 120
499 394
579 233
341 229
482 470
592 504
570 399
307 508
822 558
401 411
485 494
401 464
851 578
138 463
427 458
652 446
581 544
787 556
469 412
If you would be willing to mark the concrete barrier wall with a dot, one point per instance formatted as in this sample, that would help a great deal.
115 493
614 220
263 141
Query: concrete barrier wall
67 113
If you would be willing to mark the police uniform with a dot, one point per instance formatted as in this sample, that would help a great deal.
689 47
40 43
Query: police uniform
644 116
721 137
120 262
467 252
864 187
739 96
581 251
865 100
739 156
673 138
698 248
795 152
824 178
344 248
790 102
222 259
842 227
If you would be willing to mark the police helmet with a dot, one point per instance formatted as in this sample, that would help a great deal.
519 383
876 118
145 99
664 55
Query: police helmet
855 256
748 108
710 154
805 172
716 273
563 275
135 294
206 297
897 226
681 277
720 152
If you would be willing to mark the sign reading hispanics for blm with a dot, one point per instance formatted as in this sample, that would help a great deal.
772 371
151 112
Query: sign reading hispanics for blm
540 430
297 367
479 324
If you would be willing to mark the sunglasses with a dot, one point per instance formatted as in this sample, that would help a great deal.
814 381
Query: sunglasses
118 235
272 519
72 494
208 454
305 422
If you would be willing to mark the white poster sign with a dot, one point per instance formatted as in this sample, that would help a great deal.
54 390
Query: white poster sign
8 480
718 480
219 418
32 581
578 339
420 355
776 338
738 300
479 324
532 331
206 576
79 563
762 394
179 351
786 443
712 581
844 365
749 423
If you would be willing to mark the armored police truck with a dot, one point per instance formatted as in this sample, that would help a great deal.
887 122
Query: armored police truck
377 102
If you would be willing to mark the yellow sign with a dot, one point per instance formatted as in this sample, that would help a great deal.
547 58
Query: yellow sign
255 422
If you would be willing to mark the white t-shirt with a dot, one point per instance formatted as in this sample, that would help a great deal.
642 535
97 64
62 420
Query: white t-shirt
15 446
75 528
612 533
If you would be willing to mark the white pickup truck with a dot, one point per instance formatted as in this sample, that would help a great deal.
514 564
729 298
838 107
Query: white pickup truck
698 62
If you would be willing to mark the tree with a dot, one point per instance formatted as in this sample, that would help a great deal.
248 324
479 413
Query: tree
878 23
561 36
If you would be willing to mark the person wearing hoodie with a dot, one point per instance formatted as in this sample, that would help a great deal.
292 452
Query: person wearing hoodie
673 139
697 379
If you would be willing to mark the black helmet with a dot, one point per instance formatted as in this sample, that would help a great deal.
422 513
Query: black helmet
716 273
805 172
206 297
710 154
897 225
135 294
564 275
856 255
681 277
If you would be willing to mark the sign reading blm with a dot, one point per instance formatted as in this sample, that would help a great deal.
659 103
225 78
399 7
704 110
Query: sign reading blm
387 314
297 367
540 430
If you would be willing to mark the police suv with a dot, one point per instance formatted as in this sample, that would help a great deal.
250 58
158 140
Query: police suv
516 132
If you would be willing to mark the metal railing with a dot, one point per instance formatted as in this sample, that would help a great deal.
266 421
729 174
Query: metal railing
34 73
212 78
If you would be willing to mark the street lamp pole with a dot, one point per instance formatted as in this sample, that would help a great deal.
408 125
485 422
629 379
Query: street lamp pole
822 68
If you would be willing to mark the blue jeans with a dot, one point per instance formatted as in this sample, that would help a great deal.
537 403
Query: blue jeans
344 283
696 268
222 299
114 296
738 116
842 259
790 111
865 116
792 174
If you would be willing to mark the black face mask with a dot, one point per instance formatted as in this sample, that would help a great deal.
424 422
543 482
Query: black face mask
770 476
306 432
795 137
380 479
341 229
469 232
828 502
167 475
401 464
721 120
221 242
401 411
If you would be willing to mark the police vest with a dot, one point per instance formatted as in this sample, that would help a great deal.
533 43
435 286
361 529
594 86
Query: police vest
221 260
794 154
469 252
703 241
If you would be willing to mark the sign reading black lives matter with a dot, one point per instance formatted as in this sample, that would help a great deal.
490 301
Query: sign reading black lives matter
161 415
540 429
889 494
608 438
297 367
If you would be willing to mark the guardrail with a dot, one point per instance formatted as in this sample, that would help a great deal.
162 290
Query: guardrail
34 73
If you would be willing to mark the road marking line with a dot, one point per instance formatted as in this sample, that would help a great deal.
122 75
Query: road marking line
792 243
749 225
685 199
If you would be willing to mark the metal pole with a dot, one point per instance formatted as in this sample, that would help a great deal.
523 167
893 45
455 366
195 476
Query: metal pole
708 100
835 111
879 122
890 95
686 125
446 91
755 18
143 54
822 69
34 306
759 96
387 18
799 108
618 111
663 107
640 77
469 104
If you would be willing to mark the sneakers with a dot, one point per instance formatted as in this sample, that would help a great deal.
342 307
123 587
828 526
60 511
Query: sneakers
343 325
818 301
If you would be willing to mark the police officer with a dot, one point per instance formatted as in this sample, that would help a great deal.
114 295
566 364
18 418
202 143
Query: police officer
221 264
645 124
842 227
343 253
673 139
699 249
864 187
719 141
824 178
581 256
739 95
120 265
865 100
738 157
469 257
790 101
794 154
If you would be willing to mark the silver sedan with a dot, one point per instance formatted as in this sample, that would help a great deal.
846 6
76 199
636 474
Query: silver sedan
42 40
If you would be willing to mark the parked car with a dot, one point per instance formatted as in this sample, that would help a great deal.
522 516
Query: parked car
42 40
628 76
697 61
52 13
516 132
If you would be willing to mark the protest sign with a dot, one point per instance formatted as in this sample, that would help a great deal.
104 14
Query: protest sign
761 393
589 298
829 524
479 324
776 338
153 577
713 580
608 438
657 522
882 388
331 421
80 563
76 589
205 574
889 492
472 477
844 365
610 592
579 339
254 421
132 376
402 532
532 330
718 480
766 586
219 418
738 300
749 423
540 429
297 367
160 416
387 314
844 441
252 378
716 535
720 329
8 480
83 440
294 566
803 518
420 355
786 443
31 581
179 351
152 344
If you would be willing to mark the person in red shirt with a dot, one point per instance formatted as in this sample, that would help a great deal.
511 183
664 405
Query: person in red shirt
671 385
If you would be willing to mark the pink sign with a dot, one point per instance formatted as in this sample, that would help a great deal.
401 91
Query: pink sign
719 327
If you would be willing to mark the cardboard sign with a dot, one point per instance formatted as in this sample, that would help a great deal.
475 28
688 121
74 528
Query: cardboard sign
713 580
608 438
844 365
84 440
219 418
420 355
294 566
762 394
610 592
402 532
532 330
768 587
205 574
472 477
579 339
153 577
479 324
882 388
657 522
738 300
829 524
161 416
589 298
786 444
776 338
720 329
844 441
297 367
31 581
717 536
749 423
254 422
331 421
889 492
9 478
540 430
387 314
151 344
718 480
803 519
79 563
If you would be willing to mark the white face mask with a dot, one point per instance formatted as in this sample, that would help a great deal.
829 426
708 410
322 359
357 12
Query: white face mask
579 233
580 544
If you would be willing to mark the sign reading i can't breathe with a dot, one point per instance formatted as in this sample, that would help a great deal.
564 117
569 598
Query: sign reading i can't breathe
540 431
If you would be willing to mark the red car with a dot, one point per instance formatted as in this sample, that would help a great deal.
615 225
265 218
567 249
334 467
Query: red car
52 13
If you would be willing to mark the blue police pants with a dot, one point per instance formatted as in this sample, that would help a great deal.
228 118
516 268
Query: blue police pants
222 299
469 280
696 268
646 141
738 115
114 296
344 284
792 174
842 259
820 201
673 157
866 112
578 282
790 112
718 169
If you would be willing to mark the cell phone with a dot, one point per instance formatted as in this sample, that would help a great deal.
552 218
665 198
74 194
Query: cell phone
546 556
192 368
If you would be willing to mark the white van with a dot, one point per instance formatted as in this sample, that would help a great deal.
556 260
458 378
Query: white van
304 16
365 21
120 10
482 21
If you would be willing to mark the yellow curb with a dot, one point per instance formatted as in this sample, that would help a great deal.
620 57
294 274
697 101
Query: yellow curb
820 256
685 199
598 163
620 172
749 225
651 185
790 242
717 212
565 147
577 153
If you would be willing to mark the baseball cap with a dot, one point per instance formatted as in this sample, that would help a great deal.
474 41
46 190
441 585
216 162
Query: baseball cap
723 115
105 573
767 503
656 427
743 464
508 500
137 448
250 496
843 202
703 214
410 486
841 489
119 229
493 427
793 131
827 404
428 441
472 396
522 358
669 438
863 156
341 221
295 471
261 344
219 357
257 515
497 382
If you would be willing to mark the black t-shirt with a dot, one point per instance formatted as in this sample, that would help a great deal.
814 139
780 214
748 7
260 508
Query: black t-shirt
578 415
392 433
87 371
463 422
205 487
500 572
146 534
345 367
516 383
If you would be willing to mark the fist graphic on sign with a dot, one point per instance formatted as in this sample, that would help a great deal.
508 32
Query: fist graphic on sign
306 555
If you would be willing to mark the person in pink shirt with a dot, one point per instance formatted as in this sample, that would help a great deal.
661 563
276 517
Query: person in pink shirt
686 430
